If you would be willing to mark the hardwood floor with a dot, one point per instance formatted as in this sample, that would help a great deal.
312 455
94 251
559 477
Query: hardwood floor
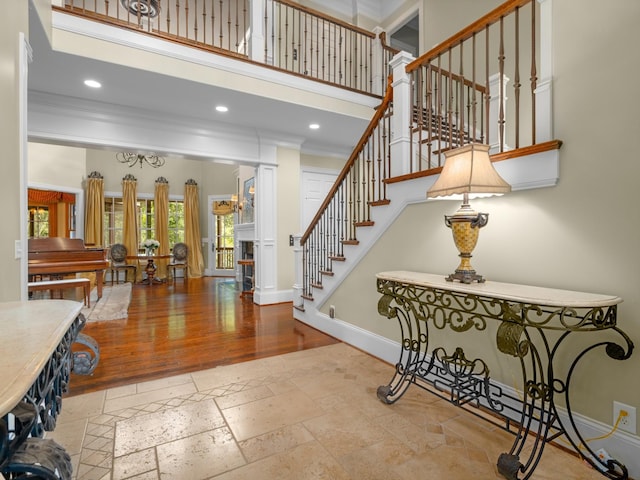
174 329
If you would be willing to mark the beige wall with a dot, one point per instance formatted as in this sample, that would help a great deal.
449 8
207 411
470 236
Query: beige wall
12 21
319 161
288 216
581 235
56 165
458 13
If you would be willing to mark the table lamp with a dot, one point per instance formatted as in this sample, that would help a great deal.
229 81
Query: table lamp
468 171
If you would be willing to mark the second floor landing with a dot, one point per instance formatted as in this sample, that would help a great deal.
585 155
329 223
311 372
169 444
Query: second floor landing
161 96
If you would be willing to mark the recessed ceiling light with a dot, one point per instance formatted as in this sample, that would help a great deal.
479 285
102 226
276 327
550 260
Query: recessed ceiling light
222 108
314 126
92 83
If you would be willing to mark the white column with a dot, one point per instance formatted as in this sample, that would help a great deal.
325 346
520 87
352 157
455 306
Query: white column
400 121
256 30
297 266
265 252
544 117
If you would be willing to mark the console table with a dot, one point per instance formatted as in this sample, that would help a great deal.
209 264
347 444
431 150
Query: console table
37 361
534 326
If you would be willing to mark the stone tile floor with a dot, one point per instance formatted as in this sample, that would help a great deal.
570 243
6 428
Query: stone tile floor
312 414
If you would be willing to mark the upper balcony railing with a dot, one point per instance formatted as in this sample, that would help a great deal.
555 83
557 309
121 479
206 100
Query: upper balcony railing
276 33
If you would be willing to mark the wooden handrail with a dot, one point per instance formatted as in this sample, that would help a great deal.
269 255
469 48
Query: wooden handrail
377 117
476 27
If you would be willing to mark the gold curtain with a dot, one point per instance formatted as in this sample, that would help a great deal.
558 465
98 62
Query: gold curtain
130 228
192 236
161 201
94 213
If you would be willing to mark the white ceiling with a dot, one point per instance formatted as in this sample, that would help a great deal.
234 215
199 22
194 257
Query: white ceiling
62 74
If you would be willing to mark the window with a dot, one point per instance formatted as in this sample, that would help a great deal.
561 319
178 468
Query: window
114 220
146 219
176 222
38 221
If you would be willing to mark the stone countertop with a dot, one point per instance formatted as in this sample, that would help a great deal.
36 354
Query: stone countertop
505 291
31 331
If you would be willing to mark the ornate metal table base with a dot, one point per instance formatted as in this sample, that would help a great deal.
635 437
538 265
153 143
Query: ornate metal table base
421 302
23 451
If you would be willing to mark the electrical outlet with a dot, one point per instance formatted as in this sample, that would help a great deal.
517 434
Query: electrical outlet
628 422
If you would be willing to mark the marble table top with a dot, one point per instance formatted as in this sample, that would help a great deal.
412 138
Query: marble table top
31 331
505 291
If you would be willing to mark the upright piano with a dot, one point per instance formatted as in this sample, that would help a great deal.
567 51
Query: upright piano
59 256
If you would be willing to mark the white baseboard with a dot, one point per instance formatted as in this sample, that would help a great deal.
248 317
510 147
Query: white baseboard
268 298
620 445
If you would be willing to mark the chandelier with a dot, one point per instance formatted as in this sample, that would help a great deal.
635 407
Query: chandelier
144 8
132 159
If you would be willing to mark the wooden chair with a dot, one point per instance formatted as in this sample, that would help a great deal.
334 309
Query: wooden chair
118 263
179 260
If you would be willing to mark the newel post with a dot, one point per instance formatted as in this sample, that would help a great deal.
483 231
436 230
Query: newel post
401 120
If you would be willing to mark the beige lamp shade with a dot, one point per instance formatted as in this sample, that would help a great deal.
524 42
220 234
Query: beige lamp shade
468 169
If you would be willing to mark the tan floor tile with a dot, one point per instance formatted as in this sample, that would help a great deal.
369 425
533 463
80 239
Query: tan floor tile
200 456
229 374
244 396
139 433
265 415
414 437
306 462
377 461
275 442
69 434
90 472
307 415
344 431
163 383
323 384
479 434
152 475
83 406
121 403
123 391
137 463
445 462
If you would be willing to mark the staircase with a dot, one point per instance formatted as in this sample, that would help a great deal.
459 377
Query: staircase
430 106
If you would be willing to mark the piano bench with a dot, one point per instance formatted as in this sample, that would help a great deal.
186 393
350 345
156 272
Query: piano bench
52 285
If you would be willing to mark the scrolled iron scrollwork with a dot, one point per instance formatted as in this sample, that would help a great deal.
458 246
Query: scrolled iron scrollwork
534 334
23 451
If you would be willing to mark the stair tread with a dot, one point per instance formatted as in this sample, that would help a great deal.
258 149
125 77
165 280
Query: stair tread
326 272
367 223
337 258
317 285
299 307
378 203
306 296
350 242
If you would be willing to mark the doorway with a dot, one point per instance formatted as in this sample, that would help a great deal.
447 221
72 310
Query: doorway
222 218
407 36
316 183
